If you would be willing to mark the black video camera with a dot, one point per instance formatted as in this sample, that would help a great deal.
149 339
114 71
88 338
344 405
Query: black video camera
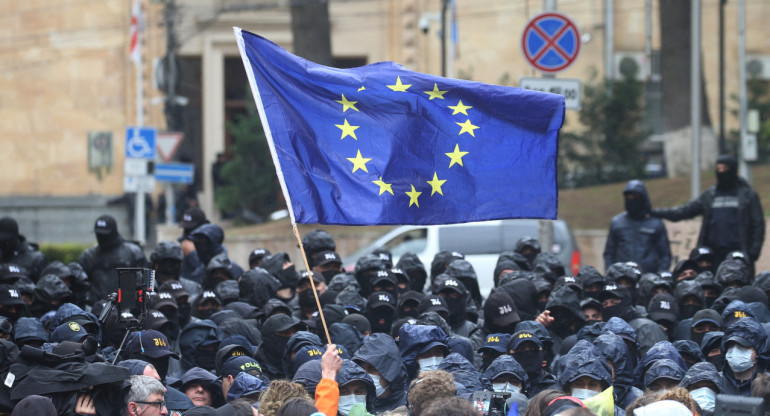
134 287
490 403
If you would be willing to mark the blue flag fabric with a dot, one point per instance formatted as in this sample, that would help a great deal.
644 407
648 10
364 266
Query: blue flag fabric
381 144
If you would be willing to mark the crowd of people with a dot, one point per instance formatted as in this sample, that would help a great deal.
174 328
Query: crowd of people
394 337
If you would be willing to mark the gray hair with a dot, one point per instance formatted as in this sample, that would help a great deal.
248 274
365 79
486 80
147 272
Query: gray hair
142 387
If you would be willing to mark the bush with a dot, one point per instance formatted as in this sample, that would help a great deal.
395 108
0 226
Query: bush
63 252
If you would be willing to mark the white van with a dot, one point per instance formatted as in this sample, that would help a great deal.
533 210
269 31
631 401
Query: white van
480 242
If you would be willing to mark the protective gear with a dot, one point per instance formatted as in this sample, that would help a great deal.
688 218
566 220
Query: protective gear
717 360
687 311
379 390
185 310
727 180
532 361
430 363
505 388
205 359
329 275
705 397
205 313
347 402
306 298
636 208
739 358
169 267
583 394
274 344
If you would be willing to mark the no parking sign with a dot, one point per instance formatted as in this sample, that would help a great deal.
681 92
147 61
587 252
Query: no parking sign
550 42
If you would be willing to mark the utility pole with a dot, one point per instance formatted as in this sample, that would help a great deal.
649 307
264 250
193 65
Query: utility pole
545 227
722 140
695 98
609 40
170 106
444 7
743 168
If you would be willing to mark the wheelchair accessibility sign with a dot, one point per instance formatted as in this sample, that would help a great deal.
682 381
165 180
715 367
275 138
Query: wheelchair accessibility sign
140 142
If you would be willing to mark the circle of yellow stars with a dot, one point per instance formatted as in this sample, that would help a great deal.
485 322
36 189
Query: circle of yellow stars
455 157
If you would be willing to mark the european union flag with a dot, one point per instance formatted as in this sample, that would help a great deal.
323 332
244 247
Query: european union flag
381 144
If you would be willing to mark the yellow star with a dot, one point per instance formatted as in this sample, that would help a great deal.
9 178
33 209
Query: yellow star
436 184
399 86
467 127
347 130
384 187
456 156
359 162
362 88
347 104
435 93
413 197
460 108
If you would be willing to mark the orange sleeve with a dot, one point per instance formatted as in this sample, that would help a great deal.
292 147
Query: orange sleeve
327 397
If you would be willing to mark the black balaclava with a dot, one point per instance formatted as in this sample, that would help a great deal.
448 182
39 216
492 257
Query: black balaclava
532 361
381 319
169 269
728 179
160 364
185 313
306 298
108 241
620 310
688 311
718 361
9 229
329 275
636 208
456 308
205 248
204 358
274 345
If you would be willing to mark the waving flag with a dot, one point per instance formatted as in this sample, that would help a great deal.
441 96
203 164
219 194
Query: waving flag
381 144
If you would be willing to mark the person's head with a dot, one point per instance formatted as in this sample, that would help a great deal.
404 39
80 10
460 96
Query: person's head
453 406
727 172
256 256
703 322
592 310
166 259
635 199
199 393
34 405
328 264
145 397
297 406
428 387
540 401
106 231
9 236
527 349
279 392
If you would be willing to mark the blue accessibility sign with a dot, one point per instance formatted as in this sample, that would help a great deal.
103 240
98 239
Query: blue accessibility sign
550 42
175 172
140 142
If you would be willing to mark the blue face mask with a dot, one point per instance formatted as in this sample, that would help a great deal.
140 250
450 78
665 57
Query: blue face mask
583 394
705 397
430 363
379 389
347 402
739 358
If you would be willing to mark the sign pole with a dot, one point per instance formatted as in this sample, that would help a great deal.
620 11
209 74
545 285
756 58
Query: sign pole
139 196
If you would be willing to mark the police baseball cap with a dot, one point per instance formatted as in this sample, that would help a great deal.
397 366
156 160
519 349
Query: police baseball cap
326 257
105 224
521 337
167 250
496 342
9 295
702 253
11 273
707 315
176 289
451 284
192 219
305 275
278 323
611 291
151 343
258 254
68 331
236 365
209 295
383 276
378 299
161 300
500 310
663 306
434 303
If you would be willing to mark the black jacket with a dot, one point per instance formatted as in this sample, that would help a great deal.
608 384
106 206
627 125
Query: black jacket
643 241
100 264
751 218
28 256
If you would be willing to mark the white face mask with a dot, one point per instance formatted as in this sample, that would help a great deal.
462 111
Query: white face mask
583 394
430 363
739 358
705 397
347 402
505 388
379 389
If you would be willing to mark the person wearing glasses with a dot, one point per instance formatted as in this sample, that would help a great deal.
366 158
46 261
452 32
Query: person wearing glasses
145 397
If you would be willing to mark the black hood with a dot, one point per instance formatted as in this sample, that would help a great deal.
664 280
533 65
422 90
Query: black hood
381 352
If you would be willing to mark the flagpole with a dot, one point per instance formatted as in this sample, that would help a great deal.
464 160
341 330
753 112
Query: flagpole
312 282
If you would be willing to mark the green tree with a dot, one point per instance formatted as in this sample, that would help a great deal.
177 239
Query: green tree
608 149
252 185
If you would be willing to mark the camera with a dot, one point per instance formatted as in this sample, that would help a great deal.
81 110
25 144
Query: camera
134 287
490 403
424 24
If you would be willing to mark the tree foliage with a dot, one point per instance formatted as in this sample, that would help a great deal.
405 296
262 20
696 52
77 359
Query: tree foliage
608 149
252 185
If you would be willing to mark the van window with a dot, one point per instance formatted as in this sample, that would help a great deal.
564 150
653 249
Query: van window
471 239
410 241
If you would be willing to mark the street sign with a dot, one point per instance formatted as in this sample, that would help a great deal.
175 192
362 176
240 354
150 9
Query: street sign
569 88
140 142
135 167
145 184
167 144
550 42
175 172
